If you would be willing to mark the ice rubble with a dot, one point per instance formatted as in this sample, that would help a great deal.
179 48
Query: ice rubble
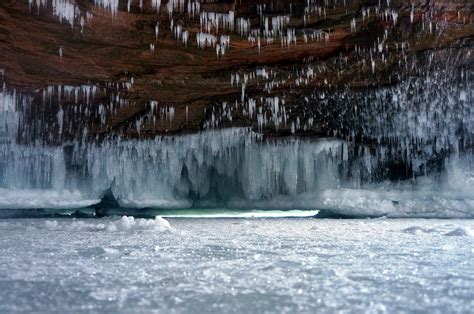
447 230
123 224
130 223
461 232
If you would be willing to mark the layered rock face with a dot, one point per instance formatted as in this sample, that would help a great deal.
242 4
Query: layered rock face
177 66
280 104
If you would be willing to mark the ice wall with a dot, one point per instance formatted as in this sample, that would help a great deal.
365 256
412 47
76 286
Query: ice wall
211 168
240 168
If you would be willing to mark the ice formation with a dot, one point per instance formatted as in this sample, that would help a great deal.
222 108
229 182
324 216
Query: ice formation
156 4
123 224
130 223
64 9
272 28
423 126
212 21
234 167
205 40
111 5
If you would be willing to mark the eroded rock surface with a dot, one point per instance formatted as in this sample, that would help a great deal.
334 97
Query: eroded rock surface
151 67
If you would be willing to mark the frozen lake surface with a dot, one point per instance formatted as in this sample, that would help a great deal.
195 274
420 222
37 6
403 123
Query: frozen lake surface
236 265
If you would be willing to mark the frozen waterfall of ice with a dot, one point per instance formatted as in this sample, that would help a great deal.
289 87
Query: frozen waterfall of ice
238 168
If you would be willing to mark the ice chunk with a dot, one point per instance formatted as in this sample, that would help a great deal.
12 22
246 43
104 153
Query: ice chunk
418 230
128 223
460 232
111 252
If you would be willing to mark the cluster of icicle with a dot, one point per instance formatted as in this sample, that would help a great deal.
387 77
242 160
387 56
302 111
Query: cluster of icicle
271 29
165 171
65 10
230 167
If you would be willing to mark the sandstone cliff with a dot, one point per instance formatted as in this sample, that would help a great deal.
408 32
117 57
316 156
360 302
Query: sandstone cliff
151 67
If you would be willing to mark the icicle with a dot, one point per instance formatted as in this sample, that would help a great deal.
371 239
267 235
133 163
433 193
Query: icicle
156 4
111 5
394 17
185 38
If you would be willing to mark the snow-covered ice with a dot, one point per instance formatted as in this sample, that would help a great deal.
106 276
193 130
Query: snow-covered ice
236 265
